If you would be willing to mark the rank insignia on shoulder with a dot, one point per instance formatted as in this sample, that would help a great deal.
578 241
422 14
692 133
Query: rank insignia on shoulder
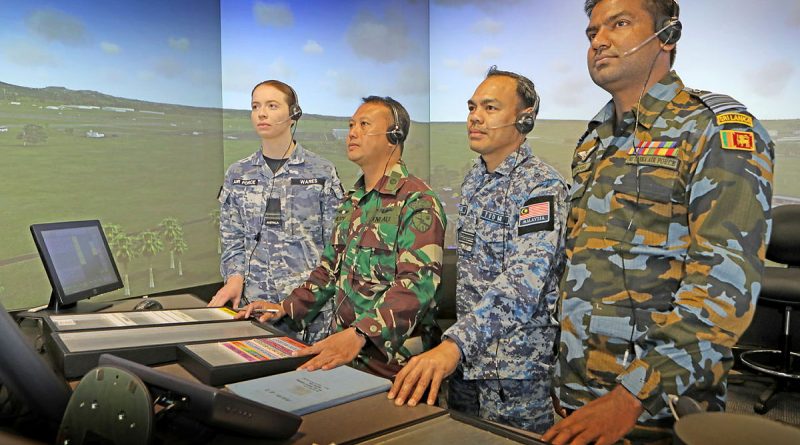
536 215
737 140
655 148
734 118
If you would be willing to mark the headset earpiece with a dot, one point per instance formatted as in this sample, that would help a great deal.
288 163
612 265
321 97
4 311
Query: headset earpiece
671 28
525 122
394 133
295 112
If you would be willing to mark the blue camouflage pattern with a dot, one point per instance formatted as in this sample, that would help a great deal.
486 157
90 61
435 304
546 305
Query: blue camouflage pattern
665 250
290 244
508 276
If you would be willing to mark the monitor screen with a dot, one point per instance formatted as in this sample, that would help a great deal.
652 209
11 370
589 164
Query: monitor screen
77 259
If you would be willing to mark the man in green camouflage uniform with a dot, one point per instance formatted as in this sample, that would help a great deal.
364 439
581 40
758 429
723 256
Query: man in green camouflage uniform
666 236
384 261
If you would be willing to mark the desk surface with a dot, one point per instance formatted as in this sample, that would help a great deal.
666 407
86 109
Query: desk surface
348 423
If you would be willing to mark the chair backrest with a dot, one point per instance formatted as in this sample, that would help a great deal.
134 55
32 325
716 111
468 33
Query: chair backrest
784 243
447 288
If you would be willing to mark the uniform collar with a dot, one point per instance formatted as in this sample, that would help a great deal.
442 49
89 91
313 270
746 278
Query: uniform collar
390 183
298 156
510 162
652 104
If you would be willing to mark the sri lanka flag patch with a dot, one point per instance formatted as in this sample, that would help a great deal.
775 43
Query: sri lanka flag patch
737 140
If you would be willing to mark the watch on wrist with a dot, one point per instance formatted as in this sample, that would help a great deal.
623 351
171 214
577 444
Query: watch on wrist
361 333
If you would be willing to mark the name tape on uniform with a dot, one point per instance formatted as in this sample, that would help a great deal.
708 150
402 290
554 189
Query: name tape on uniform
308 181
240 181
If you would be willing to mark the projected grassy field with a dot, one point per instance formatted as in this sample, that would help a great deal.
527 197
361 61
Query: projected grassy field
164 161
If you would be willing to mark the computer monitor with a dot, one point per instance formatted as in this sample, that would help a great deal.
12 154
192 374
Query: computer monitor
40 394
78 262
215 407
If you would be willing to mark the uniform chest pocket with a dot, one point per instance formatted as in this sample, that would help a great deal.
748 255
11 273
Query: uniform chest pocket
490 242
249 202
306 213
376 259
643 206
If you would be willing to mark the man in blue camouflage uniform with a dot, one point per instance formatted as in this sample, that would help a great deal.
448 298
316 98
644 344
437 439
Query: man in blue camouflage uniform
510 257
666 236
276 210
384 261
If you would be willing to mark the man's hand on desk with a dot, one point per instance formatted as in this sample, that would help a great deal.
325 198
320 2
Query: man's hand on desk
231 291
428 368
602 421
332 351
265 311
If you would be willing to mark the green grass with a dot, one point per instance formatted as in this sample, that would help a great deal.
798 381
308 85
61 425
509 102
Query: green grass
149 167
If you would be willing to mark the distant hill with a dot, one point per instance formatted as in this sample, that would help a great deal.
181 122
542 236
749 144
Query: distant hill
64 96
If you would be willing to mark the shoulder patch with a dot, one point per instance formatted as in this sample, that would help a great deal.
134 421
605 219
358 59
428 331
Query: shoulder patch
422 221
735 118
720 103
737 140
420 204
536 215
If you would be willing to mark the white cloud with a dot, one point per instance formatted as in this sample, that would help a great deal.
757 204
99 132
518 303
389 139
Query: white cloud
28 54
273 14
56 26
110 48
168 67
383 40
484 4
571 91
240 75
413 80
488 26
179 43
312 47
779 73
279 69
475 65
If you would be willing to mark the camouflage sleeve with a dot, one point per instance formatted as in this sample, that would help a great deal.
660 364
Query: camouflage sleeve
728 215
419 247
232 233
513 298
331 197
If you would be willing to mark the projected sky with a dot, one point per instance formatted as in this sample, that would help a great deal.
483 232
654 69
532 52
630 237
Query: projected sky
430 55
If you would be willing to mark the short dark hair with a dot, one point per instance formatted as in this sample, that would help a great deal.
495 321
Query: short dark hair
526 91
403 119
660 11
291 95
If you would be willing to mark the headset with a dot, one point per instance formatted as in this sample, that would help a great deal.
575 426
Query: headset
394 134
295 112
526 120
670 28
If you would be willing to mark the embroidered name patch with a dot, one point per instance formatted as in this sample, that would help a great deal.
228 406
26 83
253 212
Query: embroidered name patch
654 161
240 181
500 218
536 215
307 181
737 140
655 148
734 118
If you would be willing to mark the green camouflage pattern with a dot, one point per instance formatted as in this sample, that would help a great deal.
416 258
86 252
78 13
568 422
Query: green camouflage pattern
382 269
664 253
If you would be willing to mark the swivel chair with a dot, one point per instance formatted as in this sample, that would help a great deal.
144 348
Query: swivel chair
780 289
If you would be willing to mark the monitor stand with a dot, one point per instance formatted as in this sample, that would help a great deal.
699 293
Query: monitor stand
55 307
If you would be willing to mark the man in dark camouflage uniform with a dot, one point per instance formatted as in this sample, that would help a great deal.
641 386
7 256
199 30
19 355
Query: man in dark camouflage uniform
510 257
384 262
666 236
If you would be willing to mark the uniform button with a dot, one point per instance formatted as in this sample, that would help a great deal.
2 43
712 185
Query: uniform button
373 329
387 344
